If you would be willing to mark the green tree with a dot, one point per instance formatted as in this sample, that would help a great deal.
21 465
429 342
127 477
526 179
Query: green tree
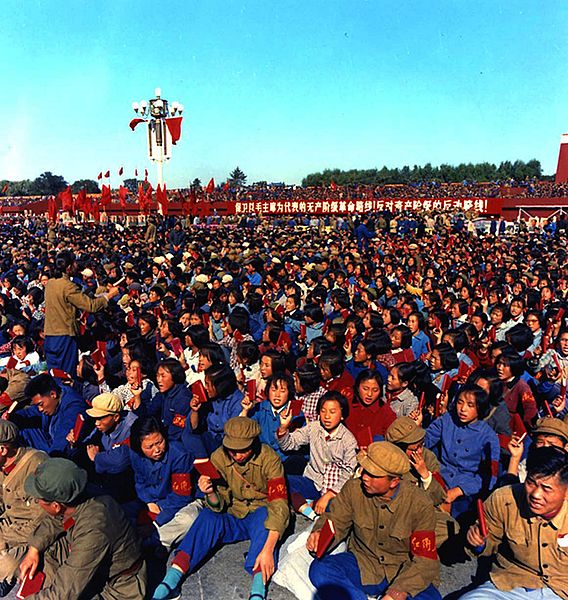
195 184
91 186
237 177
48 184
132 185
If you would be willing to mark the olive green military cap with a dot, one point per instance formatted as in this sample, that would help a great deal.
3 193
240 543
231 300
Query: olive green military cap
56 480
240 432
384 458
404 431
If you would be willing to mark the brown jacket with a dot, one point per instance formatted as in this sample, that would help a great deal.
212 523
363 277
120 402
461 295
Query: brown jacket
20 514
63 299
392 539
528 551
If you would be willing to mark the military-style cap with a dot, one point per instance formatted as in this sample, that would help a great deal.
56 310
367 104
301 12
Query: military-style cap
552 426
404 431
56 480
384 458
8 432
104 405
240 433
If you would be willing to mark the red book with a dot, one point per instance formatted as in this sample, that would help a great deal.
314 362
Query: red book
517 425
284 340
251 390
422 402
481 517
5 400
12 362
205 467
559 315
198 390
327 533
138 377
302 330
238 336
158 312
364 437
296 406
101 347
464 371
206 319
446 384
176 346
31 586
60 374
79 422
98 358
348 337
280 310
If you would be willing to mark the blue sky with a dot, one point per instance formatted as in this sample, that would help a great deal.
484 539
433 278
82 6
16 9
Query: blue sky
281 89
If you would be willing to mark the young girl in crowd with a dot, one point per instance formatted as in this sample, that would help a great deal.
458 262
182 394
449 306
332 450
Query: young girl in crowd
307 381
272 362
23 356
332 451
401 339
467 448
399 396
334 376
369 411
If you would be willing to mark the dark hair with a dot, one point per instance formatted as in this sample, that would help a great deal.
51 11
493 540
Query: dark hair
376 321
62 262
381 339
320 345
338 397
548 461
174 368
198 335
368 375
87 372
143 427
239 320
41 384
214 353
334 361
371 347
406 371
309 376
23 340
223 379
314 312
248 352
406 336
481 399
448 356
159 290
149 318
282 378
278 360
511 359
495 384
520 337
420 317
458 339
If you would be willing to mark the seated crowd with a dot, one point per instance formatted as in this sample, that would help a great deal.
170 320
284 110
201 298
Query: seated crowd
161 399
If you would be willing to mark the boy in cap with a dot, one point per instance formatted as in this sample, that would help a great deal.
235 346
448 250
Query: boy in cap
20 514
93 551
250 501
389 524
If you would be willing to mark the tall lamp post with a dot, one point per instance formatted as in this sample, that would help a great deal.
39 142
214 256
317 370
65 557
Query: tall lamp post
164 127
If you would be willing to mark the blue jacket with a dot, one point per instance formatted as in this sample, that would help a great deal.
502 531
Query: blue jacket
269 422
420 344
172 407
165 482
114 457
223 409
356 368
468 454
53 430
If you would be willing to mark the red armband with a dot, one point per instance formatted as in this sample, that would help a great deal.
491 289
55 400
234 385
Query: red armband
179 420
181 484
277 489
423 543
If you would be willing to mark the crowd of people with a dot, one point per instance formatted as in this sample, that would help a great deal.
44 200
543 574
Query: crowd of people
167 390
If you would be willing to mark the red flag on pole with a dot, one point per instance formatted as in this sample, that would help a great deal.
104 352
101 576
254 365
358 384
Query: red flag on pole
66 199
100 175
81 200
96 210
210 186
107 174
162 198
136 122
5 188
120 171
106 197
122 194
52 209
174 127
226 186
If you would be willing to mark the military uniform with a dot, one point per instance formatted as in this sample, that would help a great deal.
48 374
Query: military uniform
391 541
530 553
20 513
92 553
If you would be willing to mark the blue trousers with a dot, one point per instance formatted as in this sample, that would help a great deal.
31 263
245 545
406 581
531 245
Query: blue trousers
337 577
303 486
61 352
488 591
211 529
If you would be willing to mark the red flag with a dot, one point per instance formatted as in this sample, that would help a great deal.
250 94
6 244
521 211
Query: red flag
106 197
333 185
52 209
120 171
66 199
210 186
174 127
107 174
5 189
81 200
135 172
141 197
100 175
122 194
226 186
96 210
136 122
162 198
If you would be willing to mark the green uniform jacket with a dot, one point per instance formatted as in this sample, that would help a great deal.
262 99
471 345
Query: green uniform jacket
259 482
101 545
62 300
392 539
20 513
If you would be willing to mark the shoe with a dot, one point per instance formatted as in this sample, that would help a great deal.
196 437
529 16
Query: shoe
6 587
165 592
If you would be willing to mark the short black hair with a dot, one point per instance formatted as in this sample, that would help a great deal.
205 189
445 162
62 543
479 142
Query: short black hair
547 461
223 380
309 376
338 397
41 384
141 428
174 368
481 399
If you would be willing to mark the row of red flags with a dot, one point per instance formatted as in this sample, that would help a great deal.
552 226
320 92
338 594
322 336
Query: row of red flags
120 172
